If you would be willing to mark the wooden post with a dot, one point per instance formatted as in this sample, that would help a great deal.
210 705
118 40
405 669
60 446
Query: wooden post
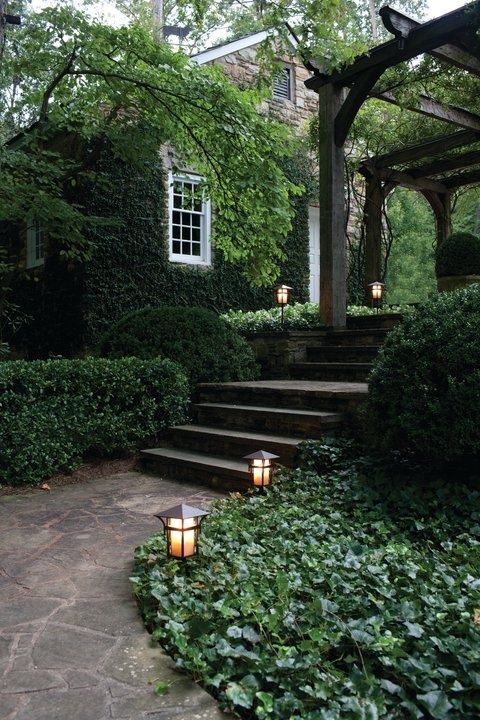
333 286
373 216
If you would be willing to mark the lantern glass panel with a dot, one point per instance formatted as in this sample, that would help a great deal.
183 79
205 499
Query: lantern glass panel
377 291
261 471
182 536
282 296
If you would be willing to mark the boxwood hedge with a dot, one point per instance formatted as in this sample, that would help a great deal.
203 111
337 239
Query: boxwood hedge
53 412
208 348
424 390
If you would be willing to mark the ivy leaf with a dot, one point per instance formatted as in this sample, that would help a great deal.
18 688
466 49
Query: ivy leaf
240 695
436 702
266 699
414 630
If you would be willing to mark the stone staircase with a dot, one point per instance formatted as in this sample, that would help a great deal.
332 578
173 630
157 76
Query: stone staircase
231 420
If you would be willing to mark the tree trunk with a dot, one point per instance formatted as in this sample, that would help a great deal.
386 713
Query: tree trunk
373 18
157 12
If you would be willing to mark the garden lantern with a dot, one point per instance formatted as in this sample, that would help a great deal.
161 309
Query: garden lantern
376 293
282 296
260 467
182 527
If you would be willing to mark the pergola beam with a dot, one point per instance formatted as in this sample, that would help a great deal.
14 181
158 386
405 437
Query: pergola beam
445 165
456 181
424 38
427 148
401 25
431 108
402 178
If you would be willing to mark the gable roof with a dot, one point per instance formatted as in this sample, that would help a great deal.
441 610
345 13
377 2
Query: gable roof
233 46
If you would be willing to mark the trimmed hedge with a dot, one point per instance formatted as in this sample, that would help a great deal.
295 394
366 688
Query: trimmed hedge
458 255
298 316
53 412
424 390
207 347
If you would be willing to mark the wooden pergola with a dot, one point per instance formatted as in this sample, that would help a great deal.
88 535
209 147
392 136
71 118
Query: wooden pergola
452 40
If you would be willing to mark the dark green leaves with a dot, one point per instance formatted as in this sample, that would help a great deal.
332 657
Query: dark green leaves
324 598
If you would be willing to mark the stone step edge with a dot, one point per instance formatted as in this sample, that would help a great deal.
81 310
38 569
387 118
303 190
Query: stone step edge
349 348
323 415
332 365
241 434
197 460
325 392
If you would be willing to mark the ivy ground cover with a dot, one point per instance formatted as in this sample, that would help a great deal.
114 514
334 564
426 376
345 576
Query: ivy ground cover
338 594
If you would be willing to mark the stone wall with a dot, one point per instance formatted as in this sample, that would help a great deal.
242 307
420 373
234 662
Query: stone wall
276 351
242 67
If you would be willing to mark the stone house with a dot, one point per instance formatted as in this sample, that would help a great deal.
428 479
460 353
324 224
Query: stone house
164 254
291 102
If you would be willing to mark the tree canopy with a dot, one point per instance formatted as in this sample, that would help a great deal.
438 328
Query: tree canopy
63 72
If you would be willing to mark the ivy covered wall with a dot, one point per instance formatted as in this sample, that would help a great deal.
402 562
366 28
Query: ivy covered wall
71 307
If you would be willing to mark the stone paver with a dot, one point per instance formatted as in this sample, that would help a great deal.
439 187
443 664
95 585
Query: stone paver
72 646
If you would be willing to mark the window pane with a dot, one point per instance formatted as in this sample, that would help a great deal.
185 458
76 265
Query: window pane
187 223
198 201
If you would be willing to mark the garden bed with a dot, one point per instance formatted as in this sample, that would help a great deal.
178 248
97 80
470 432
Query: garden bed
341 592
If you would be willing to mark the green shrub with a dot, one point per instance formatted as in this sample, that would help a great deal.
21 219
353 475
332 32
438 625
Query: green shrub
328 597
458 255
208 348
299 316
52 412
424 390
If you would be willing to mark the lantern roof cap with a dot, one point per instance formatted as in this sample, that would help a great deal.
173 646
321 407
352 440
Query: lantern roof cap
376 282
283 287
261 455
181 512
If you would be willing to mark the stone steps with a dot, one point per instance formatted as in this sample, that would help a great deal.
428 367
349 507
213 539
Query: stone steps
232 443
357 336
338 371
342 353
326 386
280 420
190 466
314 395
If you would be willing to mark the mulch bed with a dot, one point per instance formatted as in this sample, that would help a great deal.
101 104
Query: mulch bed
90 471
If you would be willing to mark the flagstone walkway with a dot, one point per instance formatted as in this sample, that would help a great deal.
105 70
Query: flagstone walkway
72 646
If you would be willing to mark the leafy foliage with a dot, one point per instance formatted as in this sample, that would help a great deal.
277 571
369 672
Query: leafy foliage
79 76
53 412
411 273
74 304
458 255
297 316
209 349
424 389
340 595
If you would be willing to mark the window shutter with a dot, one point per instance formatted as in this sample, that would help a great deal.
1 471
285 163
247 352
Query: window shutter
282 85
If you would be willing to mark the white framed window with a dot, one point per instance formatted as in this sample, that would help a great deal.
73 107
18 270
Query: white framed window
283 84
189 220
35 244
